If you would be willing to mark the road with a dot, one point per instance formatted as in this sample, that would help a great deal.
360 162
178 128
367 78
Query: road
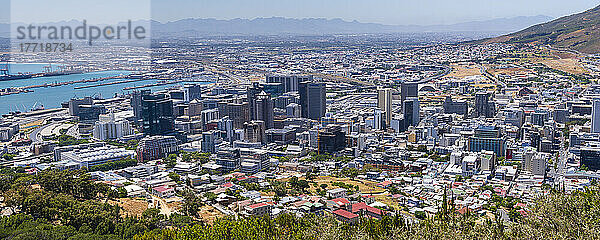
35 134
446 71
558 172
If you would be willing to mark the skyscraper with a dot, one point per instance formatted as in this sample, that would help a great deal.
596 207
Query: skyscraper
209 140
264 109
379 120
384 102
458 107
596 116
410 108
289 83
136 103
408 90
483 106
191 92
194 108
312 100
487 138
157 114
254 131
331 139
251 93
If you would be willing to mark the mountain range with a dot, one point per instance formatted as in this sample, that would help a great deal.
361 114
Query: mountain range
195 27
580 32
320 26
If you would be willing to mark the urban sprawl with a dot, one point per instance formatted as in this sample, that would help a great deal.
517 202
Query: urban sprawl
352 128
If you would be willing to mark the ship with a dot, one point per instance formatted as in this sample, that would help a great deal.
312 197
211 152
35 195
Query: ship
15 77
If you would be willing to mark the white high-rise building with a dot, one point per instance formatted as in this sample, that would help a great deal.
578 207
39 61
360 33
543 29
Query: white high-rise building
379 122
538 164
108 128
596 116
384 102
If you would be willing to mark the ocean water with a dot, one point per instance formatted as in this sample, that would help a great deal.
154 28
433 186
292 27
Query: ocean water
52 97
16 68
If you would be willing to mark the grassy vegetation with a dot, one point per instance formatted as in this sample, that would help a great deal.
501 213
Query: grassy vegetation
67 140
68 205
556 216
119 164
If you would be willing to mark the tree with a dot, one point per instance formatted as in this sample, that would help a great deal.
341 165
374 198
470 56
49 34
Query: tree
191 203
122 193
151 217
210 196
171 160
349 172
302 185
420 215
174 176
293 182
119 164
8 157
310 175
280 190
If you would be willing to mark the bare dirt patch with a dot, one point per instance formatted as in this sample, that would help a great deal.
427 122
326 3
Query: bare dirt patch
209 214
131 207
569 65
463 70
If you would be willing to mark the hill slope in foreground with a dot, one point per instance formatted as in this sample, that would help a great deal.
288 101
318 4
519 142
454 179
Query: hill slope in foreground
580 32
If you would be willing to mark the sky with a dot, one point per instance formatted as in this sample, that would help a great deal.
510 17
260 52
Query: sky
393 12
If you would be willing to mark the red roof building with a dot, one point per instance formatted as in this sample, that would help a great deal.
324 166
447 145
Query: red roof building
345 216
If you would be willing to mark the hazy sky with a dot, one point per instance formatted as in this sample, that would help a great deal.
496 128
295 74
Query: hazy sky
401 12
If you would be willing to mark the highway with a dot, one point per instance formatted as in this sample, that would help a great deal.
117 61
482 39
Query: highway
444 73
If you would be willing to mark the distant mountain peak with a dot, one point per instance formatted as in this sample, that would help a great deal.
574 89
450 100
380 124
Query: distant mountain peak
320 26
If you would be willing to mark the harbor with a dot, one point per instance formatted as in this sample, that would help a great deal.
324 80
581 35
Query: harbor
22 94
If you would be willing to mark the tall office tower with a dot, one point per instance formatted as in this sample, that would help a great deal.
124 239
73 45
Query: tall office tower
136 103
384 102
111 128
226 125
410 108
194 108
254 131
379 120
264 109
487 138
483 105
157 114
312 100
293 110
596 116
85 109
237 112
408 90
75 103
331 139
191 92
458 107
251 93
208 141
289 83
284 100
